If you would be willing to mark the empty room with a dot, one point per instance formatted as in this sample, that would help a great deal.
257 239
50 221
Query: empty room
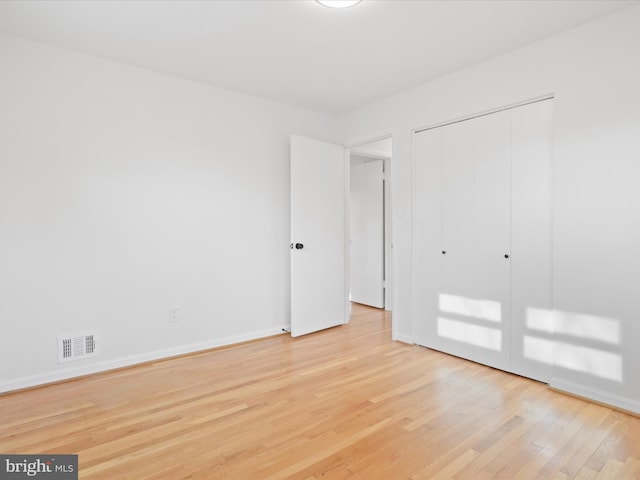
304 239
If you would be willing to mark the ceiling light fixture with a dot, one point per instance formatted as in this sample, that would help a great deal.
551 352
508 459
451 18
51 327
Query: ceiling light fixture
338 3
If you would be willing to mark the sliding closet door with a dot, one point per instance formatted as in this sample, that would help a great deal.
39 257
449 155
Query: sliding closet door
427 237
482 201
476 224
491 238
456 321
531 308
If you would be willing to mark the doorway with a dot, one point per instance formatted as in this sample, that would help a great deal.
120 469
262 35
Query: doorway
370 223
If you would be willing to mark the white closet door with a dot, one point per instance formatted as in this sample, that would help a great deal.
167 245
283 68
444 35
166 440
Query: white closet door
427 231
474 304
531 308
491 238
481 192
455 325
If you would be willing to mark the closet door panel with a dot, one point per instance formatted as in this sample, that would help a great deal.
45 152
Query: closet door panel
531 307
427 236
455 326
491 237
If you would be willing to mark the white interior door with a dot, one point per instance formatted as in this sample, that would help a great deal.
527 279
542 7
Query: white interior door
531 306
455 324
491 238
318 242
427 237
474 305
367 233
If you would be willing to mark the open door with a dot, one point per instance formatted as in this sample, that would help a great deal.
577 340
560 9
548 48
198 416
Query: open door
318 244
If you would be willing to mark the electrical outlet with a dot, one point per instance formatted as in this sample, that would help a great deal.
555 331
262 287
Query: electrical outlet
174 314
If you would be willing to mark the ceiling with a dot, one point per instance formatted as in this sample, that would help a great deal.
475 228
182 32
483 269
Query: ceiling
296 51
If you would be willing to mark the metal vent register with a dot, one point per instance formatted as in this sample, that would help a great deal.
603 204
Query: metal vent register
76 346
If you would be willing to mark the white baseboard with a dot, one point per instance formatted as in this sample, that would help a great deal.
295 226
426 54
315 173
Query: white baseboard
400 337
67 372
600 396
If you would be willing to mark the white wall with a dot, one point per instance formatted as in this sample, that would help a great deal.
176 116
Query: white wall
124 192
594 72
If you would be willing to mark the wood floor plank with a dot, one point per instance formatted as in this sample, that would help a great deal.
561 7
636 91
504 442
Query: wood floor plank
344 403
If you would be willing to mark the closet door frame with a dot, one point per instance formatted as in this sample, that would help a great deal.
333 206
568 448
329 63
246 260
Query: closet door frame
426 294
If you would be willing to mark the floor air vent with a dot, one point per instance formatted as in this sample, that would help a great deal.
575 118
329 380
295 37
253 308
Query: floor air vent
77 346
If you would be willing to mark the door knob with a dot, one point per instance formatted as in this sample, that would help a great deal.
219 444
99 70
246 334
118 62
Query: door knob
299 246
506 256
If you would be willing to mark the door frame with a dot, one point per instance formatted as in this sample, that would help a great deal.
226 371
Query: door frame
388 225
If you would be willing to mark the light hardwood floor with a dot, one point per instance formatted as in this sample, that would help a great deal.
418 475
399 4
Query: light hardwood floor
342 403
